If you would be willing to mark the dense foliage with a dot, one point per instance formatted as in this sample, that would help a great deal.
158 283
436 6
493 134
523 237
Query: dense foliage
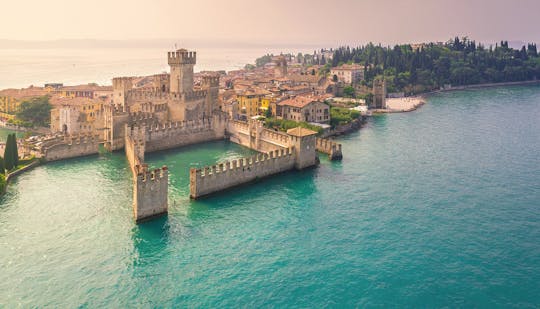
2 183
339 115
36 111
431 66
11 154
261 61
284 125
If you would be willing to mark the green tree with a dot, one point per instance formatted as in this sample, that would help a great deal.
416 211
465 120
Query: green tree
263 60
268 113
8 154
2 168
36 111
15 150
348 91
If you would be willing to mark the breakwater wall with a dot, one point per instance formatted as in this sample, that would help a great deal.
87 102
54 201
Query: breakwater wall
226 175
150 187
331 148
253 135
70 147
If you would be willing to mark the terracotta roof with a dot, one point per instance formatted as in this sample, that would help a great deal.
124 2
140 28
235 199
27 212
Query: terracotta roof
86 88
57 101
299 131
299 101
253 91
23 93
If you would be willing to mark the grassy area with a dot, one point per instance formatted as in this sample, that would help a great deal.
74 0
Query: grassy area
340 115
284 125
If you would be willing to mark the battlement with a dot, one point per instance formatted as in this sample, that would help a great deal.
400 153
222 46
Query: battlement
222 176
114 109
182 56
329 147
144 174
275 137
210 80
195 95
203 123
155 93
121 82
239 125
70 146
135 117
245 163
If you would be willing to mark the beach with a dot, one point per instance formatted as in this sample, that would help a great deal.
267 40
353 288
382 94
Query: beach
399 105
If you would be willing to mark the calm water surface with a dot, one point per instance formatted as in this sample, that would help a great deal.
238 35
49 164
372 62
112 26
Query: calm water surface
439 207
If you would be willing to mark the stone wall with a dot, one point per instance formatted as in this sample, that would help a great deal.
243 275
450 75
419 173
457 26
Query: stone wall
229 174
331 148
150 187
71 147
253 135
171 135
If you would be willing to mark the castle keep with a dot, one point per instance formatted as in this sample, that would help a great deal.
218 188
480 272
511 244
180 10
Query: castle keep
170 113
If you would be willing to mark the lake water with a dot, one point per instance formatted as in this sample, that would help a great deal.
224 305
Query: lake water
72 66
438 207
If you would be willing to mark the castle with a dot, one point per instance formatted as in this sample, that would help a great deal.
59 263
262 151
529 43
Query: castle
172 112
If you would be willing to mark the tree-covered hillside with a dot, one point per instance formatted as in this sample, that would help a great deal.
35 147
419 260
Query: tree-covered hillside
430 66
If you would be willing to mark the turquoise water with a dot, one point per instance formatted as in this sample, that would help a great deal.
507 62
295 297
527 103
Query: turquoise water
438 207
4 133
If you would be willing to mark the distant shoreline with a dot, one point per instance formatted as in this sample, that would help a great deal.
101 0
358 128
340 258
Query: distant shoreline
486 85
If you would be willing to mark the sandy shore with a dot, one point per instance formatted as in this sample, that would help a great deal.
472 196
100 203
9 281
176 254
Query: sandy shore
400 105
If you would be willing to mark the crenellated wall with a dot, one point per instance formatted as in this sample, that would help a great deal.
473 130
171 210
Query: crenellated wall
177 134
229 174
253 135
150 187
150 193
331 148
70 147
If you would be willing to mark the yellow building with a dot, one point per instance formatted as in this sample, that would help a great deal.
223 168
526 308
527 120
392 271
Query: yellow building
253 102
8 107
76 115
11 99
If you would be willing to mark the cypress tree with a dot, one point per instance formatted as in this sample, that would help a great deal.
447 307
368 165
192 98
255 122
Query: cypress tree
15 150
2 169
8 154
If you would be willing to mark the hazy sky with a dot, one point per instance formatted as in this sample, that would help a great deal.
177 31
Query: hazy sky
285 21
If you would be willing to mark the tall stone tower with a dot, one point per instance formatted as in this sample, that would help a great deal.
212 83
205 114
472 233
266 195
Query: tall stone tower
210 82
379 93
121 86
280 69
303 140
181 63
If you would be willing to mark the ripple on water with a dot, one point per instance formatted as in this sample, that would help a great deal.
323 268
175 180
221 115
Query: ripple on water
431 208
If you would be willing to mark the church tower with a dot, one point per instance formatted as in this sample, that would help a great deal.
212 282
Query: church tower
181 63
280 70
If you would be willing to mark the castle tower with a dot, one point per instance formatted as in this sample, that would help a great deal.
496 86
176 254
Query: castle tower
181 63
210 82
379 94
281 67
304 143
121 86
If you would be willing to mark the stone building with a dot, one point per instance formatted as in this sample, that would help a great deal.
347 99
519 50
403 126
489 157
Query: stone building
379 94
303 108
348 73
280 70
